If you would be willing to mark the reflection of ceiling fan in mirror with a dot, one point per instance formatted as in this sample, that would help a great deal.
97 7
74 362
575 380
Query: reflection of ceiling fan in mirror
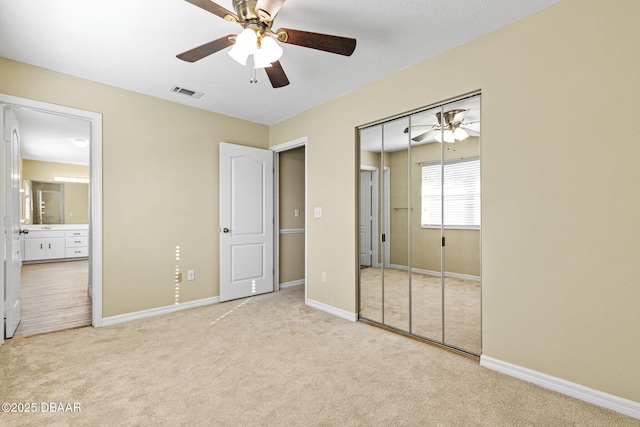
450 128
257 42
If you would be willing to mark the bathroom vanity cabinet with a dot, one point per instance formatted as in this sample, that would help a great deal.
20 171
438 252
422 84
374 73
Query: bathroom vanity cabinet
51 242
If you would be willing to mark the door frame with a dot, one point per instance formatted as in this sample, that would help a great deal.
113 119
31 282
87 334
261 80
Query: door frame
95 183
375 233
277 149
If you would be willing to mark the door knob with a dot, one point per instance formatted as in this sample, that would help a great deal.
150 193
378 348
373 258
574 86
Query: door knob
25 231
225 230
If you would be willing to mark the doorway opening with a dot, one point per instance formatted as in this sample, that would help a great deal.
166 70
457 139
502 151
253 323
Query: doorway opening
54 296
291 215
57 279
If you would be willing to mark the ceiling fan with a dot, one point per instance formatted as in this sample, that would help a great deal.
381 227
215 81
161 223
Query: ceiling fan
258 42
450 128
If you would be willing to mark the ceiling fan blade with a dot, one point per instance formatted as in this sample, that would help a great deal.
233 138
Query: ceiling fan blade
420 137
206 49
276 75
215 8
459 116
425 135
268 9
406 130
328 43
470 131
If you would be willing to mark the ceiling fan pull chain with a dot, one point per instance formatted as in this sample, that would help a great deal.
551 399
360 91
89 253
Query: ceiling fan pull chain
252 77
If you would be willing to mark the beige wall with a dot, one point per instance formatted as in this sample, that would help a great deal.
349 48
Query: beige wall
560 237
45 171
291 197
399 202
291 261
76 203
160 185
369 158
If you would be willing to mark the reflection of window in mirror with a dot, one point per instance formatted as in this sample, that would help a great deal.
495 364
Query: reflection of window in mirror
461 195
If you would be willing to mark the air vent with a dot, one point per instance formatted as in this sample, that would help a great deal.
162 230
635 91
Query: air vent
188 92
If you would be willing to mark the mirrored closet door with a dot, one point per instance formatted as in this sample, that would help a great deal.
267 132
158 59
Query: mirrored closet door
420 224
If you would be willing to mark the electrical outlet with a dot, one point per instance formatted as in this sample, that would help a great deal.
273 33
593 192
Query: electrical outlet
296 212
191 275
324 277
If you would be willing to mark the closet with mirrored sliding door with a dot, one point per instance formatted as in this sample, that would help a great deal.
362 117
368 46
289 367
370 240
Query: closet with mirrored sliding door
420 224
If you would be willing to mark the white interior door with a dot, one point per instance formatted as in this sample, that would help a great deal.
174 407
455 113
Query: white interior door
246 221
366 218
13 258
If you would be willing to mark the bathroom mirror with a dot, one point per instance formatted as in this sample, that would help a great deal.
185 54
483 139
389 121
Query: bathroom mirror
49 203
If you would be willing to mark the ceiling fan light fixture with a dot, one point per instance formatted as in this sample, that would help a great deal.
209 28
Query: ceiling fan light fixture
271 49
460 134
246 44
80 142
260 59
238 56
452 136
268 52
447 136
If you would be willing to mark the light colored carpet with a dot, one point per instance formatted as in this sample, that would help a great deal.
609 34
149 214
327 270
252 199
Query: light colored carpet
461 321
267 361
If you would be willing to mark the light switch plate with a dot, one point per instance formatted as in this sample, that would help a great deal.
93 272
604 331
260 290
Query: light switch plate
317 212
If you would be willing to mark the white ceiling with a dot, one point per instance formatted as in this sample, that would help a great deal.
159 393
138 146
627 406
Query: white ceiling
132 44
49 137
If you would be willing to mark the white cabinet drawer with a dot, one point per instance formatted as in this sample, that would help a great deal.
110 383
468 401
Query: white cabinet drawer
43 234
77 252
77 242
77 233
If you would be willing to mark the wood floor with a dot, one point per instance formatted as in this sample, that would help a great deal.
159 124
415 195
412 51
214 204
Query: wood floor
54 296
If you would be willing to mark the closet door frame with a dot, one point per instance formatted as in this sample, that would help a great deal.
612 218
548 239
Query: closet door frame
443 229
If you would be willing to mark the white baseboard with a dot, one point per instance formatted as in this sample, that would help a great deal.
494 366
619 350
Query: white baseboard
127 317
291 284
437 273
609 401
352 317
291 231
